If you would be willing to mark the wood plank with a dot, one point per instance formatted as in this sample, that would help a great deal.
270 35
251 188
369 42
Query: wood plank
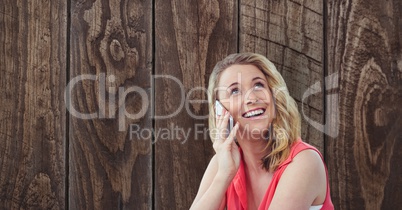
364 49
110 167
32 112
190 37
290 34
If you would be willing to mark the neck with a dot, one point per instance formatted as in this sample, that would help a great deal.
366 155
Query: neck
253 152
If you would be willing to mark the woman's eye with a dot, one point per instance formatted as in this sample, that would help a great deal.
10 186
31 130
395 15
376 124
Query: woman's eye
259 85
234 91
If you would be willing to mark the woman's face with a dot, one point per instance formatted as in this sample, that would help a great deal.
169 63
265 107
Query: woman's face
243 90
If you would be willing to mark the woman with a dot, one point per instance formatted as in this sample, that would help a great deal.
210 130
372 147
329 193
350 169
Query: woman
262 163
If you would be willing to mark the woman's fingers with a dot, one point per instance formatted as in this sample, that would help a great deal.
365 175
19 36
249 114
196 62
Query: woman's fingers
232 134
221 125
220 118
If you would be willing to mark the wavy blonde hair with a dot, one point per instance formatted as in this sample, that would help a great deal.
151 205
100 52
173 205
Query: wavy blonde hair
286 125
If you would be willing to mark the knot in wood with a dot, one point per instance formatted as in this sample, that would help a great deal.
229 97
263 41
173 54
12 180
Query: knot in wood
116 50
380 117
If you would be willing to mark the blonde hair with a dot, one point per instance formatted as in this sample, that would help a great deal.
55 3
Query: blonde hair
286 125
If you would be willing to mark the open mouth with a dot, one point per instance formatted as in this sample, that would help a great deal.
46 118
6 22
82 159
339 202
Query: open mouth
254 113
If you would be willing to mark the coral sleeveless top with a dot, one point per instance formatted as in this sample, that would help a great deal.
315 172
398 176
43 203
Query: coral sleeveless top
236 194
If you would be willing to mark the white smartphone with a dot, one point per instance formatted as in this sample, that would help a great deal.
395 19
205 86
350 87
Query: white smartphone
219 111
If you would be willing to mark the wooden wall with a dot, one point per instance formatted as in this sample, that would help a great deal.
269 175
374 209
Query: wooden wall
364 46
108 169
190 37
342 61
33 120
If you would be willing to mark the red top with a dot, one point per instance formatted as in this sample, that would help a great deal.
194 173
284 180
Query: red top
236 194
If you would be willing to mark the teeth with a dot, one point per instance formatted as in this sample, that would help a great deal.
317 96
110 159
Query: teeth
253 113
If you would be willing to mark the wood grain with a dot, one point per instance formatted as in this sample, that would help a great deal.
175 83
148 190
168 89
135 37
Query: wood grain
190 37
110 167
110 164
32 112
290 34
364 48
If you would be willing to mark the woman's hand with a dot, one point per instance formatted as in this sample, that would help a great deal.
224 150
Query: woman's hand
227 151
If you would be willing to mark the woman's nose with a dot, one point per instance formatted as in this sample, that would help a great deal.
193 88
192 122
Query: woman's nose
251 97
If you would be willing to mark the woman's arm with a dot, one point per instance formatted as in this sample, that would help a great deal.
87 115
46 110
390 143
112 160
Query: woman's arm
221 169
302 184
211 194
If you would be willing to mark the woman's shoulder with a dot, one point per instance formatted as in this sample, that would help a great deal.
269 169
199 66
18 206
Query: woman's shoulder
304 174
307 164
308 157
306 150
300 146
304 160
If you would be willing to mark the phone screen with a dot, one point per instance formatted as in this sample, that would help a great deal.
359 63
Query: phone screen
219 111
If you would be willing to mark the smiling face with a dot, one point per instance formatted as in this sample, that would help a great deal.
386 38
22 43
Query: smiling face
243 90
